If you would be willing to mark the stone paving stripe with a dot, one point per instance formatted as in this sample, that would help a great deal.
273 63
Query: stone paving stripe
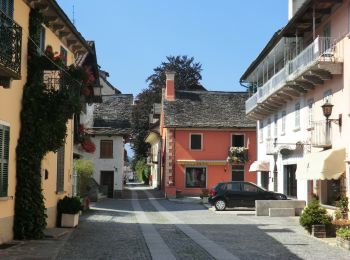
156 245
211 247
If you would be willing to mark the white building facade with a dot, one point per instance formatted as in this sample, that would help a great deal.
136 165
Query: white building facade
303 67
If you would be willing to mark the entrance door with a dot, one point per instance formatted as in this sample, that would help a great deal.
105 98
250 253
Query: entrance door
291 182
107 179
265 180
237 172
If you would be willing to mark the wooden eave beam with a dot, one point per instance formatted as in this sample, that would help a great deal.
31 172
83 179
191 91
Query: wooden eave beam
313 79
284 96
291 92
323 74
305 84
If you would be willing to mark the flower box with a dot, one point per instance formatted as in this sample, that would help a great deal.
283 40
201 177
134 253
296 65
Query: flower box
69 220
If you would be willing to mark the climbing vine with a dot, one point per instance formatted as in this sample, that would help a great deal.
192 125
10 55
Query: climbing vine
44 116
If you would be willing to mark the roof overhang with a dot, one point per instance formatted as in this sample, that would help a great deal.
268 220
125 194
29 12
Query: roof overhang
60 24
300 23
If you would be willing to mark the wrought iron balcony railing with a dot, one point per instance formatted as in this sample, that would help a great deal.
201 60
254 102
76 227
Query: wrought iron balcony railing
321 134
10 47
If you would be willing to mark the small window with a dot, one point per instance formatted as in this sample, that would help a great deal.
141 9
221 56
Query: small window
106 149
297 115
238 140
4 159
196 177
196 142
268 128
275 125
283 122
64 55
41 40
310 118
261 130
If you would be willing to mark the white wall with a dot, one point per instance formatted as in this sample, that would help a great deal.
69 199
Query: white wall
115 164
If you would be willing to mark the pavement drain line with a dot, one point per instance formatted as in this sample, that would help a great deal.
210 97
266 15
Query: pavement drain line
208 245
156 245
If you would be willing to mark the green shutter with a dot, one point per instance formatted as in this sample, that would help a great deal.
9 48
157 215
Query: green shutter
4 158
60 170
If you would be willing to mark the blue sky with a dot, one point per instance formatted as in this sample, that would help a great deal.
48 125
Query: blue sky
134 36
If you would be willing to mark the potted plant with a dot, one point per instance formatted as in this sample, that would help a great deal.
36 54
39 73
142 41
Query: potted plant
315 219
205 195
69 208
237 155
343 237
343 205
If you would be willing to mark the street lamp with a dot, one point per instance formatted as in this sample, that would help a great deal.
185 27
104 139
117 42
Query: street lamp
327 111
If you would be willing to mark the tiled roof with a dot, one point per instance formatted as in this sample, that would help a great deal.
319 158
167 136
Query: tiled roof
113 115
207 109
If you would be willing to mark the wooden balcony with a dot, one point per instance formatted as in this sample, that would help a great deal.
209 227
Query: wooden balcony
10 50
315 64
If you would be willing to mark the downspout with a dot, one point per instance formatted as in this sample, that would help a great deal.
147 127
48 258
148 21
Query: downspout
174 153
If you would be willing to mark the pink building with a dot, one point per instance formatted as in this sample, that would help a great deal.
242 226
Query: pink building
198 128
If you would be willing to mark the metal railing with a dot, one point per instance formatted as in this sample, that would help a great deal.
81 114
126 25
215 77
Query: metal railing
321 49
321 134
10 46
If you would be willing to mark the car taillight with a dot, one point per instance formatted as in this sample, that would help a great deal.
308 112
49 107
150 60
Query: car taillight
212 192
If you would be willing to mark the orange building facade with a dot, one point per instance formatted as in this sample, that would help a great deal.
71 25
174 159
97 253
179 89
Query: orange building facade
198 129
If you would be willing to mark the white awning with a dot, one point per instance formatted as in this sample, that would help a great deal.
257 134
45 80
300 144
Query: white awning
325 165
260 166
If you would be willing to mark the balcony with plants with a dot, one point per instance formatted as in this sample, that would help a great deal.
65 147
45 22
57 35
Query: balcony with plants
10 50
321 59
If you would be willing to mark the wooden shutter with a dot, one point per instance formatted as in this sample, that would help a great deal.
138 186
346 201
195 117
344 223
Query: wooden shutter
60 170
4 159
106 149
7 7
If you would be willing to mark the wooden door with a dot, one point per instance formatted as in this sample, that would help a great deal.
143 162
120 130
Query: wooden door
107 179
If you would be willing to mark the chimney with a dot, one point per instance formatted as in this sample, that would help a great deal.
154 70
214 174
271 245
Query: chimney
170 85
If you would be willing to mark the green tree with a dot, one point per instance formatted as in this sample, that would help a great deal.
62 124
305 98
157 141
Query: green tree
188 75
142 171
85 169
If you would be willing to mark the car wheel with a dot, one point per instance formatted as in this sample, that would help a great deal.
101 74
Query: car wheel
220 205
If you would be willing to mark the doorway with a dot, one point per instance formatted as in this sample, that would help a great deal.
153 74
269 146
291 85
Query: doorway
237 172
107 179
265 180
290 180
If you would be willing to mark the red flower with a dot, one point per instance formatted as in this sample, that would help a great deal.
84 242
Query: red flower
88 146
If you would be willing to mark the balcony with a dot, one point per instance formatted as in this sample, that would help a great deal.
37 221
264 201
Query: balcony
315 64
10 50
320 135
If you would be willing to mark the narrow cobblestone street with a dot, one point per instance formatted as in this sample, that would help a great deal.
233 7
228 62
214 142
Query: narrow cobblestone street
145 226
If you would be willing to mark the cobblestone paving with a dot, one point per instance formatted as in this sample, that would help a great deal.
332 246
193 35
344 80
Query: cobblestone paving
109 232
251 237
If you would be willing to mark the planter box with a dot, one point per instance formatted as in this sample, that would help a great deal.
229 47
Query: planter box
319 231
205 200
344 243
69 220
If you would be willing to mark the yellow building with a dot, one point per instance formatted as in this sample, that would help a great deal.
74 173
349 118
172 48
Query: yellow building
56 168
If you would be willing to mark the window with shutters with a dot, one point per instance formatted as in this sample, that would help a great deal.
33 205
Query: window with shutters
6 6
237 140
60 170
106 149
63 54
4 159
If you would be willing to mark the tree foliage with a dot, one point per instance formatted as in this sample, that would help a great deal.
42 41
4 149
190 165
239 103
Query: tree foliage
187 77
142 170
85 170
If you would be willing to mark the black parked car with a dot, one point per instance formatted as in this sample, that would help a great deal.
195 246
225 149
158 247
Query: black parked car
240 194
